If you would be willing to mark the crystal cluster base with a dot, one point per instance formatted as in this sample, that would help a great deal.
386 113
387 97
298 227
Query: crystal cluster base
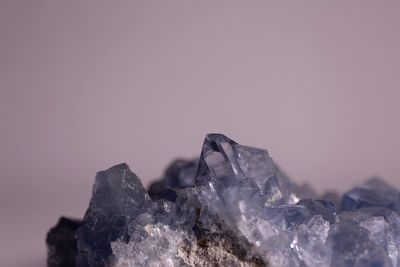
231 207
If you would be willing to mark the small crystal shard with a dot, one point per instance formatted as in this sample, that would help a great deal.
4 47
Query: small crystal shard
232 206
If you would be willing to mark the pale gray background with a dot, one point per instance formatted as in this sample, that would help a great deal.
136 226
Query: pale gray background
88 84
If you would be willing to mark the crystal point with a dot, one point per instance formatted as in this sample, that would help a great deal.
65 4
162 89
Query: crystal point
118 196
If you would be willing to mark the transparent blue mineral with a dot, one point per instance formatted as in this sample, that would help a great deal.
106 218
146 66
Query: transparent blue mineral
180 174
229 173
383 227
233 206
118 197
288 217
374 192
352 245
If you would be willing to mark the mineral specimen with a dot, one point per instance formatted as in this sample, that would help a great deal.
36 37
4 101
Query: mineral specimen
233 206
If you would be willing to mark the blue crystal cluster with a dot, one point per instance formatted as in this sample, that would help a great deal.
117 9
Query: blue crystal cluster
234 207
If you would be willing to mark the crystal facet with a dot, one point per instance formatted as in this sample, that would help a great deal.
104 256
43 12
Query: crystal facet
118 197
374 192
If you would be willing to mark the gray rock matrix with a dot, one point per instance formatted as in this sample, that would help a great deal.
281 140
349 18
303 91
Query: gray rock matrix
231 207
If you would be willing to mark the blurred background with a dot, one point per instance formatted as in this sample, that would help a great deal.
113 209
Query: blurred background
85 85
